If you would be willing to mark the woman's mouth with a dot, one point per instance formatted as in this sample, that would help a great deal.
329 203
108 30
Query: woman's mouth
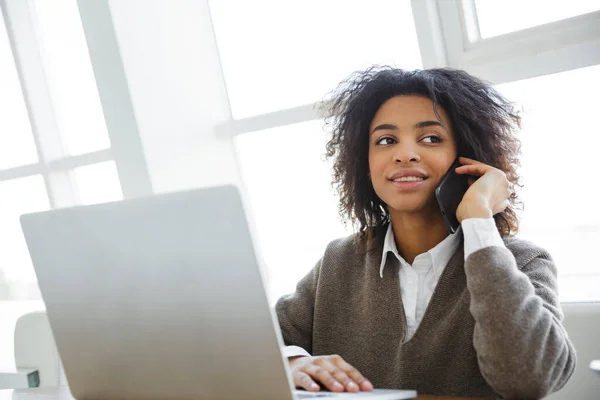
408 182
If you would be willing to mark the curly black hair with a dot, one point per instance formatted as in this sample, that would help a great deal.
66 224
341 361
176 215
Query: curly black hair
483 121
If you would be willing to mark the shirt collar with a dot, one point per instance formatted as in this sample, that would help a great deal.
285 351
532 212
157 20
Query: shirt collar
440 254
389 245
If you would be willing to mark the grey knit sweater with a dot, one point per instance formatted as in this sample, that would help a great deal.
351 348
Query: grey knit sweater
492 327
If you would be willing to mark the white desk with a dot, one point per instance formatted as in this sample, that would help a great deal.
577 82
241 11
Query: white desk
62 393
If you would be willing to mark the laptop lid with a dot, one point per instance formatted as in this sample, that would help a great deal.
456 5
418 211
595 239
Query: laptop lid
158 297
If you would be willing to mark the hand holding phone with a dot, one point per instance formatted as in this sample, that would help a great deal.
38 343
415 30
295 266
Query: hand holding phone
488 194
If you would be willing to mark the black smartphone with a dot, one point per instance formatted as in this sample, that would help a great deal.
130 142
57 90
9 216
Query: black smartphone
449 194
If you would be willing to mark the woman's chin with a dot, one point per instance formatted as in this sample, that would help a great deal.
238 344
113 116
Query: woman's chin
416 207
407 209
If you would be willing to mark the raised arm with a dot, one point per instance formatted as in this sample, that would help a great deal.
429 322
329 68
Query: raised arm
522 348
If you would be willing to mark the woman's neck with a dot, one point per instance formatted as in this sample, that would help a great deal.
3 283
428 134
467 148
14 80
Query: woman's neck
417 233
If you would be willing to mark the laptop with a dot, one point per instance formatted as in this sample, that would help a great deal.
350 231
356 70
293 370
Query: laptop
162 297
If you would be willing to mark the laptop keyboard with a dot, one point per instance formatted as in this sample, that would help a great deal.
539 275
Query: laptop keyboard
311 395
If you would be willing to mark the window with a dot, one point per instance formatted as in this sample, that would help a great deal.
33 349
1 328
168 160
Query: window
19 291
16 140
279 63
54 145
295 210
294 53
500 17
98 183
560 150
70 77
17 197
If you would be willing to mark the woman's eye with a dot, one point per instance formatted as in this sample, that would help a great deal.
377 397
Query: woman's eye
432 139
385 140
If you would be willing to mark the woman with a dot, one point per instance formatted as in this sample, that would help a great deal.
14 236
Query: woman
403 304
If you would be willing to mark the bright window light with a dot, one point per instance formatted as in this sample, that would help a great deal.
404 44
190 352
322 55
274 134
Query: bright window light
294 207
17 146
98 183
282 54
70 77
560 155
17 197
497 17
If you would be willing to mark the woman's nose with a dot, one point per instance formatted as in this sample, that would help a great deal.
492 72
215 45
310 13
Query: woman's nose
406 154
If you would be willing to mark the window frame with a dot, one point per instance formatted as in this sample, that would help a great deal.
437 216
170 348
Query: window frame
550 48
54 164
448 36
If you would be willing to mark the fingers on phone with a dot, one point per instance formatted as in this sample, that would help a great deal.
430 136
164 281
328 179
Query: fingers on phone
473 169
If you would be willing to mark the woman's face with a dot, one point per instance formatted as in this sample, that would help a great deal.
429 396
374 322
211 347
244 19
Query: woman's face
410 151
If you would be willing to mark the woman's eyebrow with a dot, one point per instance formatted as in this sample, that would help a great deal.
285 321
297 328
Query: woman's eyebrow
392 127
389 127
425 124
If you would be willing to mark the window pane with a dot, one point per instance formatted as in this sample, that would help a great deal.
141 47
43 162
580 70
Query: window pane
98 183
70 76
497 17
17 197
560 152
19 292
16 140
285 175
281 54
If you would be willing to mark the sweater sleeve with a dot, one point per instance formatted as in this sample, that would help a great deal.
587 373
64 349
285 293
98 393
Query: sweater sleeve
522 348
295 312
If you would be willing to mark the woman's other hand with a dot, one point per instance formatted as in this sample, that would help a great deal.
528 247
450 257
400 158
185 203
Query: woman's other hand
487 196
331 371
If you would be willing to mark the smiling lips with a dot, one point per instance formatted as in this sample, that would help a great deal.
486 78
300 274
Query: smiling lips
408 179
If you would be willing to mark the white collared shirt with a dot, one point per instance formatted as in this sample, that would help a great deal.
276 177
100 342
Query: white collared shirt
418 281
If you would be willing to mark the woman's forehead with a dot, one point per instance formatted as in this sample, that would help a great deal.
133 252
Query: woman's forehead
410 108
